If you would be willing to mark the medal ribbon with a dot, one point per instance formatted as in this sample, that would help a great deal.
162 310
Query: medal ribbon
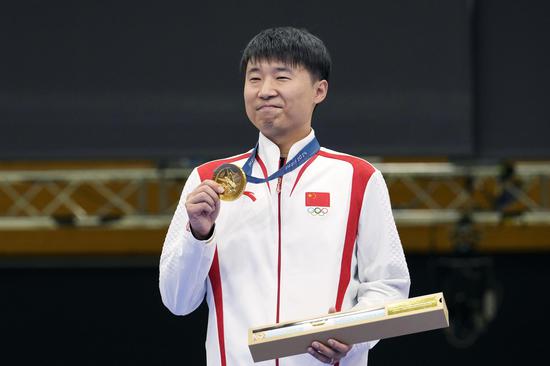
303 155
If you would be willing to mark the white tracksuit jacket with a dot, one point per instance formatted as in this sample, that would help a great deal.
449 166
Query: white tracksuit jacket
272 258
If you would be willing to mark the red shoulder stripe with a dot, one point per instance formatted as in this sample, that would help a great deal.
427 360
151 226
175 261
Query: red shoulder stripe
362 171
264 170
304 167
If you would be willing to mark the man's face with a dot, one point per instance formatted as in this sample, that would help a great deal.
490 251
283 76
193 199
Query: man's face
280 99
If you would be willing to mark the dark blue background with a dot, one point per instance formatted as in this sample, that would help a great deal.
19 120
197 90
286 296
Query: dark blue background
134 79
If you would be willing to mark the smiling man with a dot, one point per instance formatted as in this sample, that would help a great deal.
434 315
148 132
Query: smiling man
313 233
280 98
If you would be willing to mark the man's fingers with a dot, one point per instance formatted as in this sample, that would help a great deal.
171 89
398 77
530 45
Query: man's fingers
202 207
332 352
319 356
195 204
324 350
203 193
202 197
215 186
338 346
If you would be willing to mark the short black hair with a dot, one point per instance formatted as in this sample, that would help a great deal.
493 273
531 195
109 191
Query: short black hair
292 46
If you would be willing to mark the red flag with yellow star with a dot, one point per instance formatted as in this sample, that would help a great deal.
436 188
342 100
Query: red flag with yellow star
318 199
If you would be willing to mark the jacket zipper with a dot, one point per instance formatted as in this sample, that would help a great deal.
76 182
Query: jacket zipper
279 186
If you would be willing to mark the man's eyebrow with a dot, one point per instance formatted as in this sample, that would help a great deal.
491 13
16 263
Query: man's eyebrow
277 69
283 68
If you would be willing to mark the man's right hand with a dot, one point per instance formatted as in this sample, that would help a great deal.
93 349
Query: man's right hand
203 207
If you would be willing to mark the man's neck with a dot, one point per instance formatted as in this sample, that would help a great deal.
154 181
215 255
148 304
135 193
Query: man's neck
285 144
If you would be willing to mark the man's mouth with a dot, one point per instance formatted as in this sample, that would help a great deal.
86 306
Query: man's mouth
267 106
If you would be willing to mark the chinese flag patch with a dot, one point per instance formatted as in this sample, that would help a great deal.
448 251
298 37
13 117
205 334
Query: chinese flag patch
318 199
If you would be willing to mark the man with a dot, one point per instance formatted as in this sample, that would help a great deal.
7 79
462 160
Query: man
318 235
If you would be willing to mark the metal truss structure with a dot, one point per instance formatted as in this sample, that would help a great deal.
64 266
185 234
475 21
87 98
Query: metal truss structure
432 193
422 194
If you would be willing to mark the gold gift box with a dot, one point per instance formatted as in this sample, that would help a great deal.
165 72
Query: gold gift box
396 318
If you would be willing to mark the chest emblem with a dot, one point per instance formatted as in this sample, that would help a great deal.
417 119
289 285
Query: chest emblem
317 203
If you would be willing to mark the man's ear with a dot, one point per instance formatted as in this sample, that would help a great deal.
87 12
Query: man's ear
321 90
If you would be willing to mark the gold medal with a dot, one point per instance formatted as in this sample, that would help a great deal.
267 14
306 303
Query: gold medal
232 179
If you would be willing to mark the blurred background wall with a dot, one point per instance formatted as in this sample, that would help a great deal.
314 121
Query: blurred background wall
105 106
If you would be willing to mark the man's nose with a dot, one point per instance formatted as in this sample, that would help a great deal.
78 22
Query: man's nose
267 89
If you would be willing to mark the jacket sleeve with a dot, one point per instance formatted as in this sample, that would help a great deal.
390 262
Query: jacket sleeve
381 265
185 261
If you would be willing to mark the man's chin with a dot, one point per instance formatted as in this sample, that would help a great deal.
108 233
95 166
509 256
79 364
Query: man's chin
268 124
270 128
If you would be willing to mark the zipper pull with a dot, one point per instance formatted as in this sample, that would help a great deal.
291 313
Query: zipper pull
279 183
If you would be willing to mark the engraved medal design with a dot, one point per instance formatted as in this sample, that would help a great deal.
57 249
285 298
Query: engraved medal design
232 179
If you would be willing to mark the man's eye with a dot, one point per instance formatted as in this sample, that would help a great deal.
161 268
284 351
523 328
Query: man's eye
283 78
254 79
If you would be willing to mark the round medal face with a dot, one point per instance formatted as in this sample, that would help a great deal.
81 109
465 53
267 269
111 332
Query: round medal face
232 179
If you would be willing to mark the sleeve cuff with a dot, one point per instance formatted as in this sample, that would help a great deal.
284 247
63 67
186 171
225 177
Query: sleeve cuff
207 240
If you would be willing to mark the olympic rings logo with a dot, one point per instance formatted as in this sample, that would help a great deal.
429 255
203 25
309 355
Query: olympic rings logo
317 211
